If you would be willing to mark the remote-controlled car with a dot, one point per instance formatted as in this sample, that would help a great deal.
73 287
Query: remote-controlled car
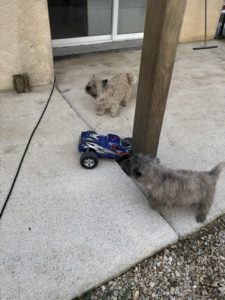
95 146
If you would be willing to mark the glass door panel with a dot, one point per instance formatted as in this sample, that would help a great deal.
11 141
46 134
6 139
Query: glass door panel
80 18
99 17
131 16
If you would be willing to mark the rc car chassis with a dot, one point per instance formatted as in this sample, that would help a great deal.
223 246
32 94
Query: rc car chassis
94 146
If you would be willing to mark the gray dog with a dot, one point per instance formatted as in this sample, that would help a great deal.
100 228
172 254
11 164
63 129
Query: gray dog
110 94
170 188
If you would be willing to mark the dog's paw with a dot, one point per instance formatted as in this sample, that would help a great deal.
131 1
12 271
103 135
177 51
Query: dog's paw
154 204
200 218
114 114
100 113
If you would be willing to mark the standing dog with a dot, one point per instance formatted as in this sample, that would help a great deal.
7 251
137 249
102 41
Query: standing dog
109 94
170 188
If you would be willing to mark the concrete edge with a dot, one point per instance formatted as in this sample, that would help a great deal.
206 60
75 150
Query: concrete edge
127 269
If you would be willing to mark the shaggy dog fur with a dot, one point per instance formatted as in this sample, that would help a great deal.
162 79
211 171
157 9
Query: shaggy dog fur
109 94
174 188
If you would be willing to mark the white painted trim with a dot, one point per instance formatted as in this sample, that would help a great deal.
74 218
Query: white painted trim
129 36
115 14
87 40
90 40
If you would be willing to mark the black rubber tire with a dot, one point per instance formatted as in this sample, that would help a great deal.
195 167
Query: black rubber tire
89 160
128 140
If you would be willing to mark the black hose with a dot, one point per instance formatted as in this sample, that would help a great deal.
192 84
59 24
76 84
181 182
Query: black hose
25 151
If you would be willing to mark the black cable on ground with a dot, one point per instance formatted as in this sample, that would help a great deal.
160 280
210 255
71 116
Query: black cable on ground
25 151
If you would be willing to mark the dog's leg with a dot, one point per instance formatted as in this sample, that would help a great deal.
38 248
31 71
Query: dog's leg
203 208
100 110
154 203
126 98
114 110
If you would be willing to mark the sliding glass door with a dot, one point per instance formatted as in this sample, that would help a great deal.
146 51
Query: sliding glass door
75 22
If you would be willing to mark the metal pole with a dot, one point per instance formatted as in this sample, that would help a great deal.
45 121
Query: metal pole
205 23
205 39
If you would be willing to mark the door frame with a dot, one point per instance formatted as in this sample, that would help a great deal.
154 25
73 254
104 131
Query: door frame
113 37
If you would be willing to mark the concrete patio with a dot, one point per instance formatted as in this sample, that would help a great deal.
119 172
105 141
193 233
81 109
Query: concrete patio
66 230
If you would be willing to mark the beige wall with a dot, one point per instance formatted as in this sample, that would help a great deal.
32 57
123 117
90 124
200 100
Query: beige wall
194 25
25 42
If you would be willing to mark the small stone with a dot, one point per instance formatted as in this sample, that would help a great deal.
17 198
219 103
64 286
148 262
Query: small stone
177 274
222 236
152 284
103 288
172 290
145 290
222 290
215 284
166 293
136 295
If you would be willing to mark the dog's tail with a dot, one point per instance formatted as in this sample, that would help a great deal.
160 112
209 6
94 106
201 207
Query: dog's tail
217 169
130 78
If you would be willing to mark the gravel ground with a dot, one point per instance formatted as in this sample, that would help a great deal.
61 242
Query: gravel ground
193 268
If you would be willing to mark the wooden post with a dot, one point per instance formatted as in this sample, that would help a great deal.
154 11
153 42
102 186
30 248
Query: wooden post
163 24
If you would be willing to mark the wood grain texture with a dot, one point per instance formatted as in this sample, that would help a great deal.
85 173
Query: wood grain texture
162 30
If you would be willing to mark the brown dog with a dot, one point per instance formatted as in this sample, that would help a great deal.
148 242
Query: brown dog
109 94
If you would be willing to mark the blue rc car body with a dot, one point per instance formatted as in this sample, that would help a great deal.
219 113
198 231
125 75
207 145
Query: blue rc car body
96 146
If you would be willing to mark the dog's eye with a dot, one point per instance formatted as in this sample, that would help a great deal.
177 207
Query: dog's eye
104 82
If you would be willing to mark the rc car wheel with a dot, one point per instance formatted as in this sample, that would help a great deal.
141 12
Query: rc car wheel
127 141
89 160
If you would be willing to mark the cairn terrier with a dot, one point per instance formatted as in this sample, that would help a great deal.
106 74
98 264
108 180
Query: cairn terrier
174 188
110 94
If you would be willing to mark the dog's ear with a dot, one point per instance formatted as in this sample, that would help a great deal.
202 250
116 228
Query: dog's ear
104 82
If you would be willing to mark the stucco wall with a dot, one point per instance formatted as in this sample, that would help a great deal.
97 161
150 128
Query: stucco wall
194 20
25 42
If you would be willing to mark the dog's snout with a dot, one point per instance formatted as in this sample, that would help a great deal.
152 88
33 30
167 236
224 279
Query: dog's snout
87 88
